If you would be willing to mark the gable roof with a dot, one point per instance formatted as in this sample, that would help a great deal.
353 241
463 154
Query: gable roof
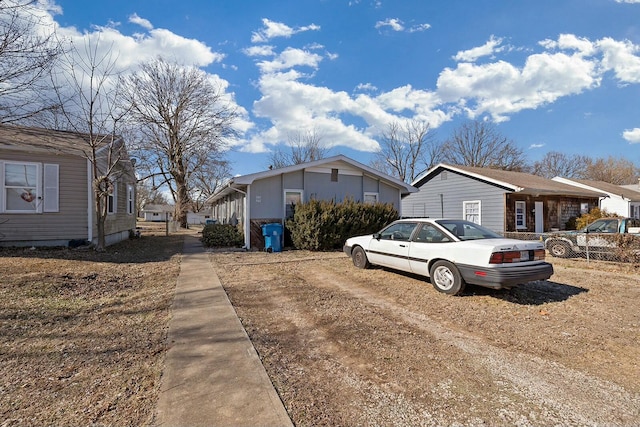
245 180
605 187
22 138
517 182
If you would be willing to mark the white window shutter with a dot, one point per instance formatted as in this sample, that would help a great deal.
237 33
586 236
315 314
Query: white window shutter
51 191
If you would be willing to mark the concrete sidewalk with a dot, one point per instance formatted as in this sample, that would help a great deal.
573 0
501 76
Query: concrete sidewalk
213 375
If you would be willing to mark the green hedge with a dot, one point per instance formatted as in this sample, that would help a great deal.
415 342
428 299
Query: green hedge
325 225
222 236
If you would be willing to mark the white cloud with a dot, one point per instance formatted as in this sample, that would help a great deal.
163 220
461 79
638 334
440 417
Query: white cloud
366 87
419 27
570 42
622 58
144 23
536 146
489 48
261 50
501 88
627 1
632 135
274 29
290 58
394 23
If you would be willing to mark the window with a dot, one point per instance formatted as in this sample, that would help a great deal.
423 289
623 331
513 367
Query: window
112 198
521 215
398 231
471 211
430 234
130 199
291 199
27 187
371 198
334 175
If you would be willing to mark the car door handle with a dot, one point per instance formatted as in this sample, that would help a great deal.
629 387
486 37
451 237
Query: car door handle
403 246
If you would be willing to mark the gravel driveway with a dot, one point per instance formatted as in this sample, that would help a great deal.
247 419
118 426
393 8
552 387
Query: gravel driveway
375 347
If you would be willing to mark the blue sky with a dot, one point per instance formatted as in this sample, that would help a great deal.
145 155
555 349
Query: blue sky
555 75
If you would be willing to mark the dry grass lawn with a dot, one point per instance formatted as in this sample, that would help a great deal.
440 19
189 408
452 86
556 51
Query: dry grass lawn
82 334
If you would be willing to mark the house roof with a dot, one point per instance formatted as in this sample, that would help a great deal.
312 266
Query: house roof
605 187
244 180
158 208
517 182
37 139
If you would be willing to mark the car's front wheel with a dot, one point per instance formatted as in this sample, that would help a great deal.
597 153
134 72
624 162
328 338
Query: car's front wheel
559 249
359 257
446 278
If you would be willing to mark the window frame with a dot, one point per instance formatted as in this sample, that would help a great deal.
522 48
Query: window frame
523 204
292 191
370 194
37 206
465 204
112 198
130 199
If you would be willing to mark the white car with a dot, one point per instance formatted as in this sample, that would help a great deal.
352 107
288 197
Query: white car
451 252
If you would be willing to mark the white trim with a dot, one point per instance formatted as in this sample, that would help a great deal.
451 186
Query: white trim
524 214
37 206
131 205
371 193
284 199
472 202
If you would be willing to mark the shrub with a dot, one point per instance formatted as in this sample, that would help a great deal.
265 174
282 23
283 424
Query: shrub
222 236
587 218
325 225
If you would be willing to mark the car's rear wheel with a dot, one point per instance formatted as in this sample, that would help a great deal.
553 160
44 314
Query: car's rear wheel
559 249
446 278
359 258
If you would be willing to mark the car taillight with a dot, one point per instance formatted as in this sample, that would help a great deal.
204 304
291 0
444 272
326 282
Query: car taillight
509 257
539 254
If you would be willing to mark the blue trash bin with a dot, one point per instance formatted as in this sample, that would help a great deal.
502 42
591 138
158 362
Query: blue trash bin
272 237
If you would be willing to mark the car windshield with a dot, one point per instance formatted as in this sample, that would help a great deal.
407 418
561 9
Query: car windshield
466 230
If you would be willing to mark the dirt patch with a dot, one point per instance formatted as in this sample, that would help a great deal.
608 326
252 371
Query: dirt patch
82 334
374 347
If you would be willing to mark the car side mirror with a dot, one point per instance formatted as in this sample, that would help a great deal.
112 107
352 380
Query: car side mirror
377 236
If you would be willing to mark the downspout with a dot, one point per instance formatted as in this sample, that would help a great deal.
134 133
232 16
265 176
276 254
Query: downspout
90 200
245 214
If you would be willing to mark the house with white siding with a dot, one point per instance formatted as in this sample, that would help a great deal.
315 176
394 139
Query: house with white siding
46 195
620 200
503 201
270 196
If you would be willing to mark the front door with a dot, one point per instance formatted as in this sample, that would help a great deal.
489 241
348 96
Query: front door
539 206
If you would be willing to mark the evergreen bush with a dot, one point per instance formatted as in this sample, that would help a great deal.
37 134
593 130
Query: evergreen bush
222 236
325 225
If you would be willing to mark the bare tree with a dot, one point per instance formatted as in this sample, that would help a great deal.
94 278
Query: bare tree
184 121
147 194
207 180
618 171
303 147
406 150
89 104
555 164
480 144
27 54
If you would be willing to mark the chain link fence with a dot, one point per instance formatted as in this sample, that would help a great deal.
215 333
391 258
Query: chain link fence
613 247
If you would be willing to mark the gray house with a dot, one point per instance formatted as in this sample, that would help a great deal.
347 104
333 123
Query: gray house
269 196
46 195
621 200
502 201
